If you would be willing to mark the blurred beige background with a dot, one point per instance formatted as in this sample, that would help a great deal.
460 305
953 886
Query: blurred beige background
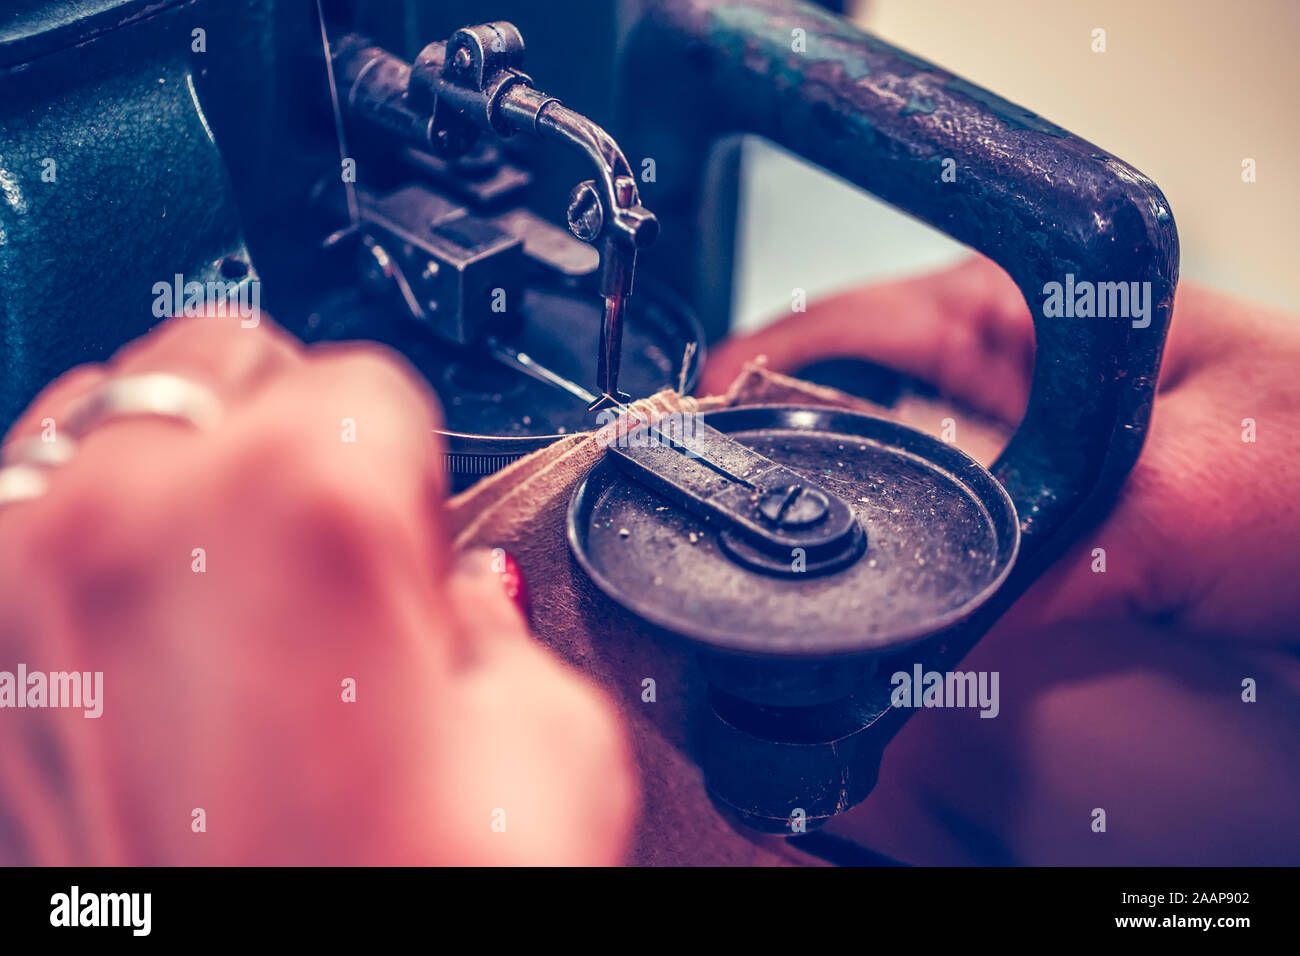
1185 90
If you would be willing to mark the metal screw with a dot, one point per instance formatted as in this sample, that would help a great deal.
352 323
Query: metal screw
586 214
625 190
793 506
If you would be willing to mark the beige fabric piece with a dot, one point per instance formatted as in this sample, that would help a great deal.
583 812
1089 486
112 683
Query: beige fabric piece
523 509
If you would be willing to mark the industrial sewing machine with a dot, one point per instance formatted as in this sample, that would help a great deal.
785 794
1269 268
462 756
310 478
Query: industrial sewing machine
389 171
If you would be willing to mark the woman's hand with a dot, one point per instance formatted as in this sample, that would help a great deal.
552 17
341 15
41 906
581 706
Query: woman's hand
295 667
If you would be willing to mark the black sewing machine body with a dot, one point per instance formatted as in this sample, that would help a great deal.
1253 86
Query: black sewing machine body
198 138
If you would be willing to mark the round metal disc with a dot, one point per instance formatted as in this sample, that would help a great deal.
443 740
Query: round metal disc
941 533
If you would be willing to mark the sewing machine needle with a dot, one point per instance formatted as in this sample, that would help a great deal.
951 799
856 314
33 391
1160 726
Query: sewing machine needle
610 356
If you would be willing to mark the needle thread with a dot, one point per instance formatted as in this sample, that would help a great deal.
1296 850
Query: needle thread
354 209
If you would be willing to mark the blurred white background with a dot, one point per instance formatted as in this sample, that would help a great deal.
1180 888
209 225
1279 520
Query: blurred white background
1185 90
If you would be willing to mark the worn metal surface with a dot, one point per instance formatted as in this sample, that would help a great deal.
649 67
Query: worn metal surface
33 28
942 537
110 181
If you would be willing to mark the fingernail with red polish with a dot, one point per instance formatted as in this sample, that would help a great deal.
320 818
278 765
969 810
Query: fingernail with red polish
512 579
